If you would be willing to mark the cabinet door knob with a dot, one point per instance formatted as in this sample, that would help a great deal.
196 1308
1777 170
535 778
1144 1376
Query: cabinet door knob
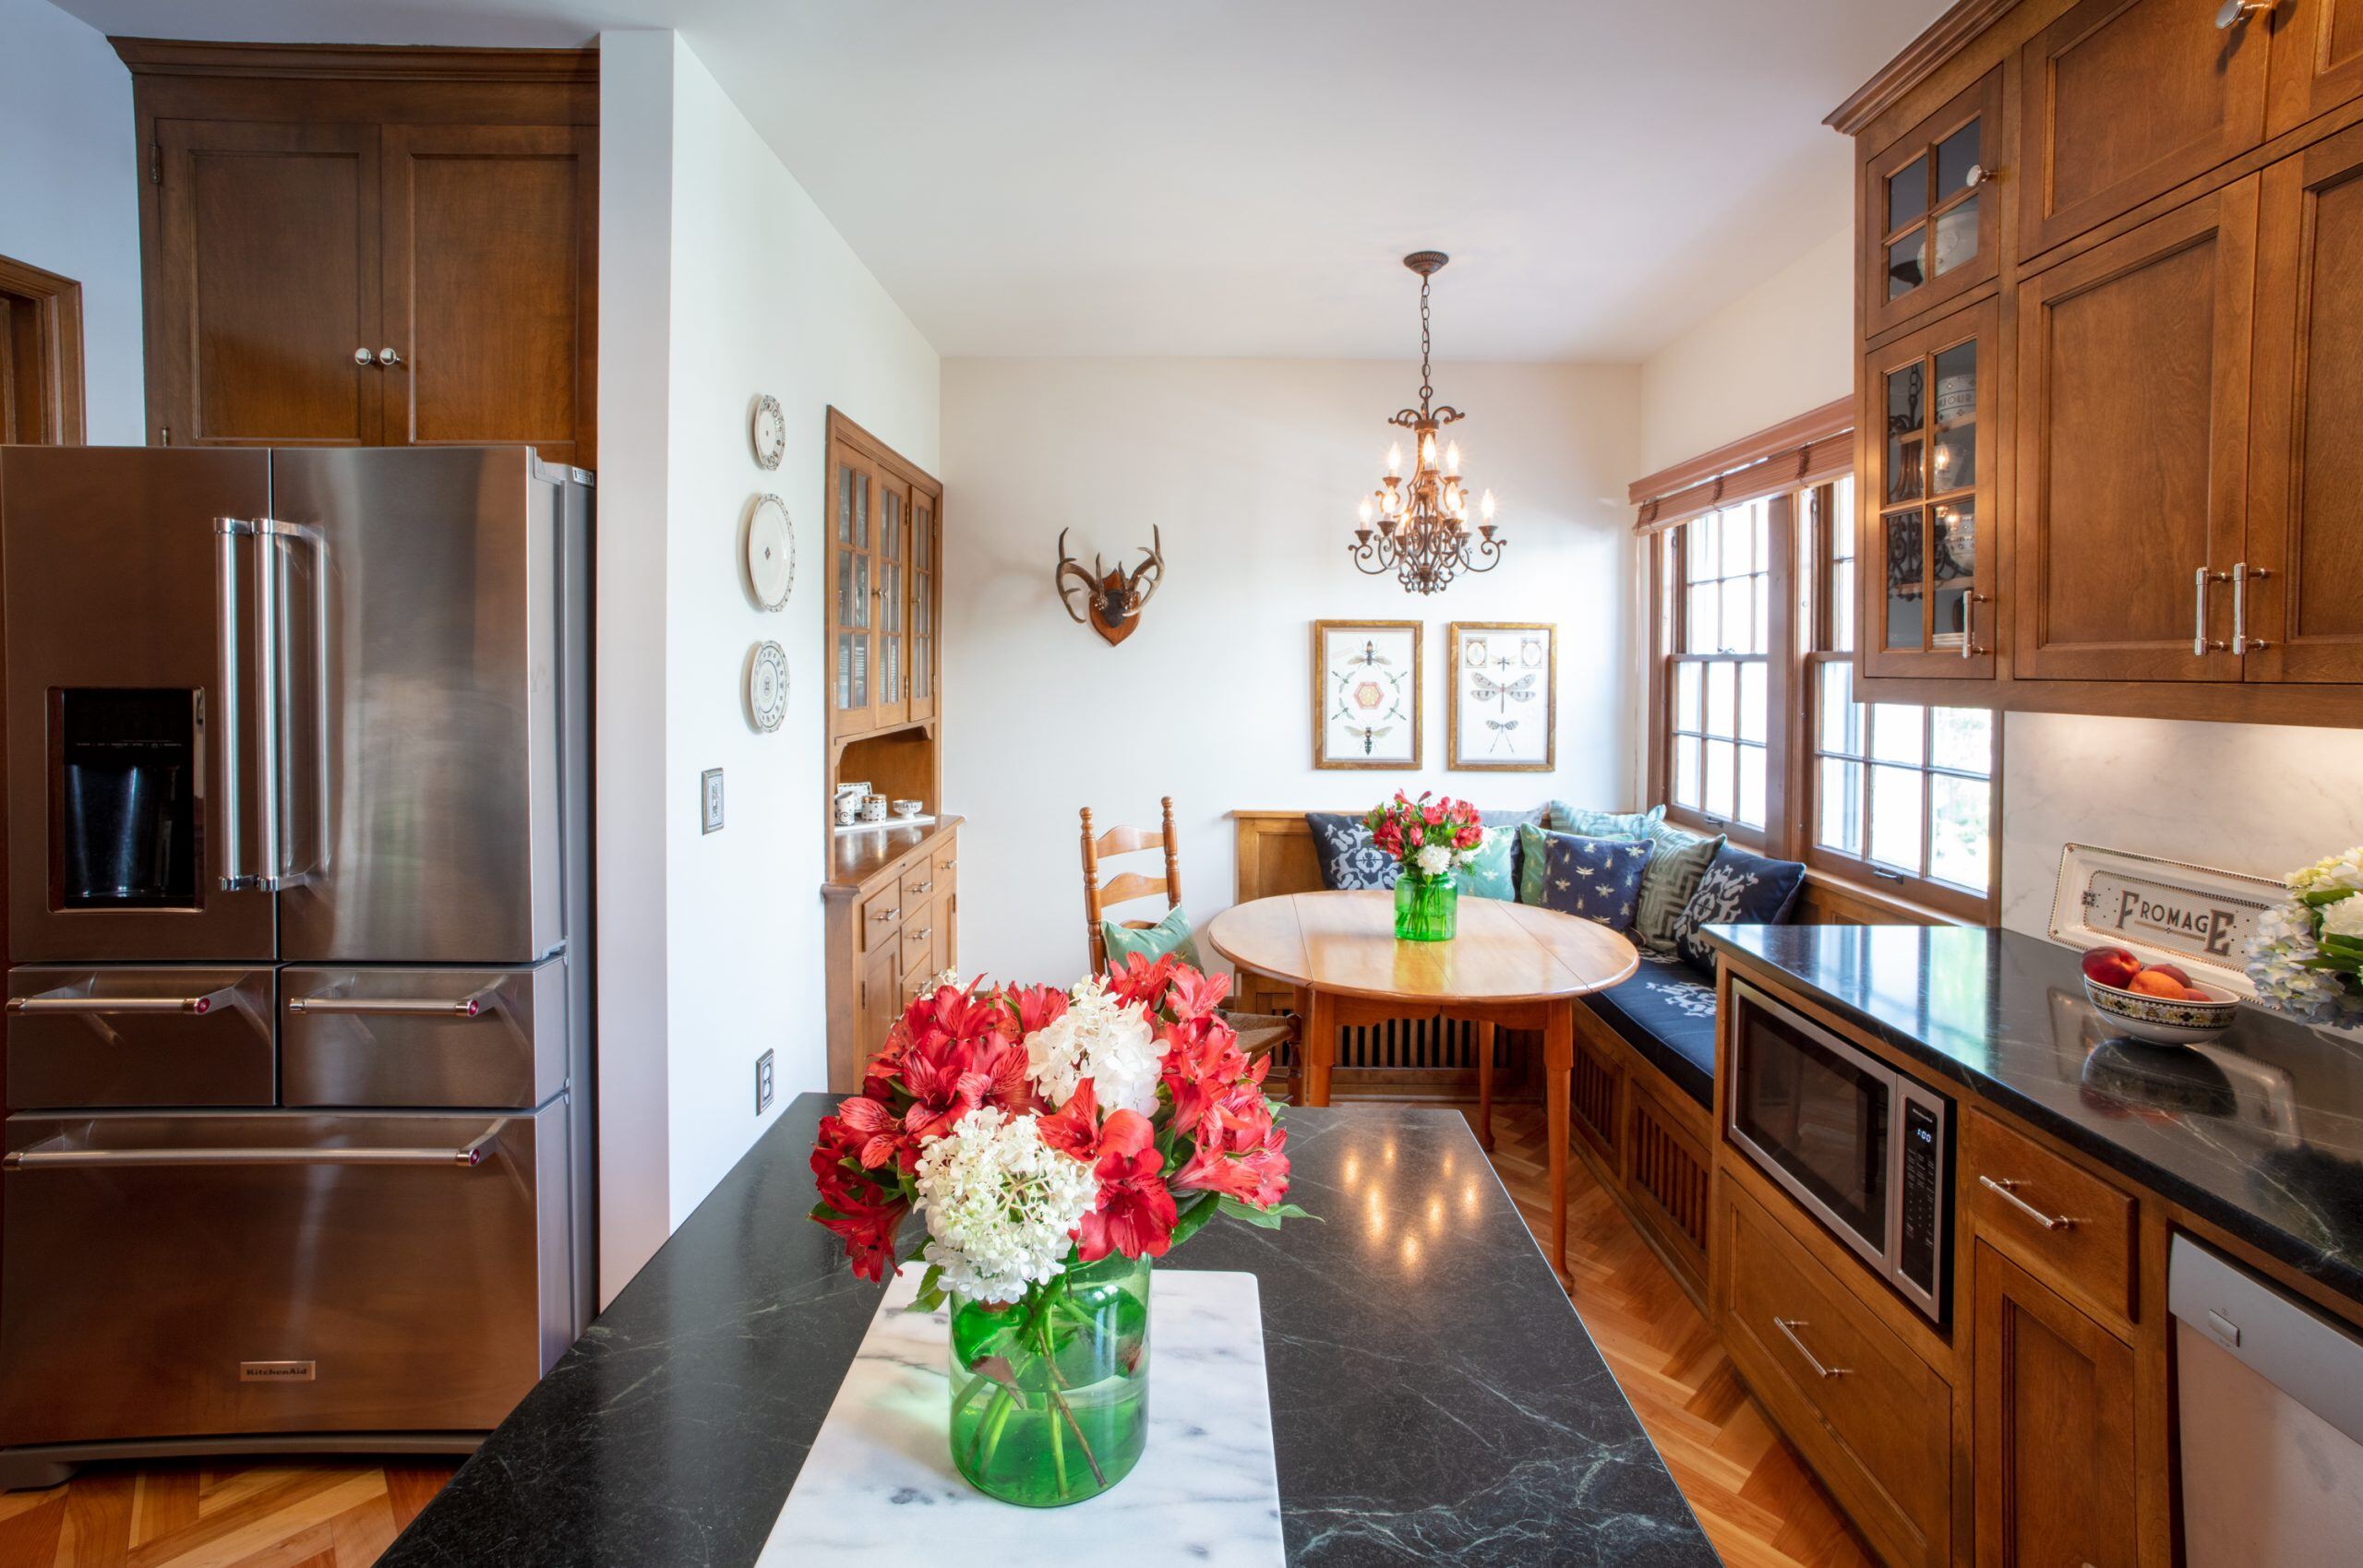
2234 12
363 356
388 356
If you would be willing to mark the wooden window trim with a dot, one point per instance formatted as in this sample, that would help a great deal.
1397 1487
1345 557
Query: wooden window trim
49 333
1800 632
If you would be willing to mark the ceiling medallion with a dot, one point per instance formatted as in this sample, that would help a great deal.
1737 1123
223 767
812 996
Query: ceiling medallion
1422 523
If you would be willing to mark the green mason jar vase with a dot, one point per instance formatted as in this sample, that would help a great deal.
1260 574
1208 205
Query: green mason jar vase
1049 1393
1427 909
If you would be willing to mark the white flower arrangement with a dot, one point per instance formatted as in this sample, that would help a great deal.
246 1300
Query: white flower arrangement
2307 957
1002 1206
1436 859
1097 1037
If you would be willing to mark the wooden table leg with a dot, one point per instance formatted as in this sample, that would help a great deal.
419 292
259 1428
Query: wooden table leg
1558 1073
1485 1085
1320 1047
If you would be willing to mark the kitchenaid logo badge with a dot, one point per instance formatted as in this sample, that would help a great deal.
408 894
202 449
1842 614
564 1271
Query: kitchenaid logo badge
2181 919
277 1372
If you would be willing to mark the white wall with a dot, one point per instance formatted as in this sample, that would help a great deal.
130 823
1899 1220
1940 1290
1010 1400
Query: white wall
69 171
709 945
2259 799
1785 346
1251 469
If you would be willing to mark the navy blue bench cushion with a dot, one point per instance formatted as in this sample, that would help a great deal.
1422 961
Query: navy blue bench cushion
1667 1013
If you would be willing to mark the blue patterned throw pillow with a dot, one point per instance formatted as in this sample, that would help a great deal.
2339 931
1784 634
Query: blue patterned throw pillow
1348 859
1738 889
1599 878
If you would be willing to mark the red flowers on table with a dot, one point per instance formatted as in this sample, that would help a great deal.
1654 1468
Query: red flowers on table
1036 1131
1428 836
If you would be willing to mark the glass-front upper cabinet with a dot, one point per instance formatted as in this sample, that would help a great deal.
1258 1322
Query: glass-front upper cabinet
884 588
853 676
1932 221
1924 560
926 546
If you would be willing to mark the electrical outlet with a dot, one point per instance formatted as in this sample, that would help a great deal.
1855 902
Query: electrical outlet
763 1083
709 796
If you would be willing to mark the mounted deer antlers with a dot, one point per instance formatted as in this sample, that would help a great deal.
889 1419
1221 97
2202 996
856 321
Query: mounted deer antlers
1116 597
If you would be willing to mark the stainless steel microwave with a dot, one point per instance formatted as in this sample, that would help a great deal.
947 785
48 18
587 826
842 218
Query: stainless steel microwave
1866 1150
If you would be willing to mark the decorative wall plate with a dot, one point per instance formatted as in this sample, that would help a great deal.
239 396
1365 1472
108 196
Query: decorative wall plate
771 551
767 428
767 686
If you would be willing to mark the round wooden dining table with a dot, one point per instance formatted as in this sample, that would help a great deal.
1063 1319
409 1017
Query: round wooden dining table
1513 965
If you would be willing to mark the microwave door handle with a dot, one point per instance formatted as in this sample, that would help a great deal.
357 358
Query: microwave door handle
43 1156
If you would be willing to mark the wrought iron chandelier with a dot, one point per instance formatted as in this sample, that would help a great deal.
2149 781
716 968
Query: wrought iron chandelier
1422 523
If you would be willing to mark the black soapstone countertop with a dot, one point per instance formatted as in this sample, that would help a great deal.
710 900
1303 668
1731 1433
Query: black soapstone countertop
2260 1132
1434 1399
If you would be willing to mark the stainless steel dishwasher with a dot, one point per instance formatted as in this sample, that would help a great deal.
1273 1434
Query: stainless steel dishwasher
2271 1399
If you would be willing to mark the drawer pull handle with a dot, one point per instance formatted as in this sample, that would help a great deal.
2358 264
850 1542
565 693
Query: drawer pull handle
2236 12
199 1005
921 888
887 914
1788 1327
467 1155
2009 1190
394 1007
922 933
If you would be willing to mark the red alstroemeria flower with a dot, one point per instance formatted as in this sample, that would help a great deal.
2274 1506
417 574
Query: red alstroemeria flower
1256 1173
1195 995
950 1013
1139 980
867 1231
944 1086
1037 1007
1075 1128
866 1130
1135 1212
1000 1062
1203 1062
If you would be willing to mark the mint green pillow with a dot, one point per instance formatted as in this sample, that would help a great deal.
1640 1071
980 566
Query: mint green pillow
1569 819
1534 854
1488 876
1675 865
1169 935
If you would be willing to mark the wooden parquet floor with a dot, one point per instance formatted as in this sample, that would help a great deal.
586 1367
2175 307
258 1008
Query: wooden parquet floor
1760 1505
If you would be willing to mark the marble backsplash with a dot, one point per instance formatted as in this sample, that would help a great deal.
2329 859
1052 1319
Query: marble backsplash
2261 798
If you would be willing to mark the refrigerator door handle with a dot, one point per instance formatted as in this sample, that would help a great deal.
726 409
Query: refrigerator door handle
68 1003
478 1004
274 531
466 1156
227 531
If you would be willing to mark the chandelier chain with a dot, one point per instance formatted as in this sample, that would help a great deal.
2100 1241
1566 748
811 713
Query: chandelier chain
1426 391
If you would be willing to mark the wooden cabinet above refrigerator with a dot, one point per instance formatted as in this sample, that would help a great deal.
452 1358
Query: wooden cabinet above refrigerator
357 246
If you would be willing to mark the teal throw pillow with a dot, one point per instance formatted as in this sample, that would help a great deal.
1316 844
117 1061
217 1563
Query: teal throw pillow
1575 819
1169 935
1533 849
1676 863
1489 876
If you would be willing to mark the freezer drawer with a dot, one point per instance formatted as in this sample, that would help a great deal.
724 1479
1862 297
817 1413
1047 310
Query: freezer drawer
424 1037
211 1272
90 1038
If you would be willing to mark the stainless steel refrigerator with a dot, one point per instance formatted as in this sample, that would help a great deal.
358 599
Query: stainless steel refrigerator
299 1140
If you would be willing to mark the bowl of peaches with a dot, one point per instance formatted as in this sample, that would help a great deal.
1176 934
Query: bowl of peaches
2155 1002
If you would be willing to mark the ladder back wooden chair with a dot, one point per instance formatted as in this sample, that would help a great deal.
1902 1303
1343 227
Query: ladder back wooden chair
1258 1032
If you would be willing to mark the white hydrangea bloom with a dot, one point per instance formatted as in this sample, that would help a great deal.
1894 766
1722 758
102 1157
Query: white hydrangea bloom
1434 860
2338 871
1098 1037
2344 918
1002 1206
2284 944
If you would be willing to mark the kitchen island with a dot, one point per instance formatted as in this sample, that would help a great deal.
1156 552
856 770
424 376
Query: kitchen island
1435 1398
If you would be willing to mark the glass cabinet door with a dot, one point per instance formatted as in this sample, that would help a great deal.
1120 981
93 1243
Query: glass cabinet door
1932 222
925 547
853 674
893 605
1927 574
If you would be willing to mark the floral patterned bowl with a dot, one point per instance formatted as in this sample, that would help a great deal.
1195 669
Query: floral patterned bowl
2165 1021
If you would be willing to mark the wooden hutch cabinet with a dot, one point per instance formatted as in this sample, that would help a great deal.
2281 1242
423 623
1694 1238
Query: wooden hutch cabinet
892 901
359 246
2136 228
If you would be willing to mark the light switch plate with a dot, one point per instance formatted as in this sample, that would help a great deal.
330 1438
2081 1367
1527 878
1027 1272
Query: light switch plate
710 796
763 1083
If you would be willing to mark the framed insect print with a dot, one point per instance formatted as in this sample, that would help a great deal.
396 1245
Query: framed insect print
1366 683
1502 705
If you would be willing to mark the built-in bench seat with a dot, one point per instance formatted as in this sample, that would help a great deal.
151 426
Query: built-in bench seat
1667 1013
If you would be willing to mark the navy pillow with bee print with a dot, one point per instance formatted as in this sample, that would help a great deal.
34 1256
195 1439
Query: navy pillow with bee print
1599 878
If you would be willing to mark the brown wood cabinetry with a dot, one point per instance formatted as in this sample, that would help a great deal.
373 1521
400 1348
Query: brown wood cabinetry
885 615
357 246
2173 331
2055 1423
889 925
2133 410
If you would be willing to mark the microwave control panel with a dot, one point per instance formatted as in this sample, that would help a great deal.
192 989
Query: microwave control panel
1923 1133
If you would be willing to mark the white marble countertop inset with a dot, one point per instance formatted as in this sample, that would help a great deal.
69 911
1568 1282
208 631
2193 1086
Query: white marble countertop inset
879 1486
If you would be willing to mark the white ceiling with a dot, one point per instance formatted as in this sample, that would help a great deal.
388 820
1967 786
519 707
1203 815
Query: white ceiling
1239 177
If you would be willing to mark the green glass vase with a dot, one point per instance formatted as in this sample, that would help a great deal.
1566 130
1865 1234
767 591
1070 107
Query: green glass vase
1427 909
1049 1393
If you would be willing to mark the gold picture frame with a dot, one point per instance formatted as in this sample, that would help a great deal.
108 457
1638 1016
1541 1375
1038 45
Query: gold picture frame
1373 707
1502 680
